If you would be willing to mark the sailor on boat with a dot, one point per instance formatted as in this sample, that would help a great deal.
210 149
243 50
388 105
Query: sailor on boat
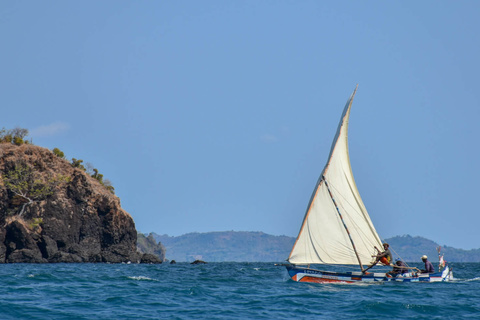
399 268
428 265
384 257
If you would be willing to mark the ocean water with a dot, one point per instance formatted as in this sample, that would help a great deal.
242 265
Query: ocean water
222 291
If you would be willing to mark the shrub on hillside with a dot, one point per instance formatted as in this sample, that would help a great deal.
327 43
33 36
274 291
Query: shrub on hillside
59 153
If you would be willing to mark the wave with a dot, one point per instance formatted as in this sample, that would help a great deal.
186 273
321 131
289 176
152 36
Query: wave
473 279
141 278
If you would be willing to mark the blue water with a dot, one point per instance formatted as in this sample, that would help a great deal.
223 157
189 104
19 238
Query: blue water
222 291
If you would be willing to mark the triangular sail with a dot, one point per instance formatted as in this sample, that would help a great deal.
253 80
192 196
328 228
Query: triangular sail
323 238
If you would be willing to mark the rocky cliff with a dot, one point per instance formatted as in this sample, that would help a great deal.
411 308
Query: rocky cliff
53 212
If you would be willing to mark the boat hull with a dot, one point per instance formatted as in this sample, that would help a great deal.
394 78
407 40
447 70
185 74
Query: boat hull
301 274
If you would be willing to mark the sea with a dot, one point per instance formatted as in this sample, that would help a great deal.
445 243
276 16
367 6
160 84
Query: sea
222 291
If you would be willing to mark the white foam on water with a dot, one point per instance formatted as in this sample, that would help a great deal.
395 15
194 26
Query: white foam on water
142 278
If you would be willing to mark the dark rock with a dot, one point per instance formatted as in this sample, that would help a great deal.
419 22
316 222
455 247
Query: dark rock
150 258
48 247
3 247
63 257
173 262
198 262
18 237
26 256
118 254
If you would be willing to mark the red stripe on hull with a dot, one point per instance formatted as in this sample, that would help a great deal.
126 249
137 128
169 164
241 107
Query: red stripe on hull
321 280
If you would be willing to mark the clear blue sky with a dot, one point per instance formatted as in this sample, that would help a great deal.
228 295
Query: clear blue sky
219 115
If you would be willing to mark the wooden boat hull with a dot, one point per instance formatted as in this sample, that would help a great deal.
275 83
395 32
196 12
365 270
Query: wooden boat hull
301 274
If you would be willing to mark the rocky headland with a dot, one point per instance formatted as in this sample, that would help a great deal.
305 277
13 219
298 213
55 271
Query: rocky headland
52 211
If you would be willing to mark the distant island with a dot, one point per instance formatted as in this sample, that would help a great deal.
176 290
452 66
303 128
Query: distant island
225 246
238 246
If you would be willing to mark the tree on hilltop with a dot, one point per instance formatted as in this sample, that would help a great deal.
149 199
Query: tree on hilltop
14 136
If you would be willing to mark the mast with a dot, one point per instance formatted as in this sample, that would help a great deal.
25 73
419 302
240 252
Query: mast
343 222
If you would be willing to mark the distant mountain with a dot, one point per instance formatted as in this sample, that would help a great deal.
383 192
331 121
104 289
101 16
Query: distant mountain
412 248
227 246
261 247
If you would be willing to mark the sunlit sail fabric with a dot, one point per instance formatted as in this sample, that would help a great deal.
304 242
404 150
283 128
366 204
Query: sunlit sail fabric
323 238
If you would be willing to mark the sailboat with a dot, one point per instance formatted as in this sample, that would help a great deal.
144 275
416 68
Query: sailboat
337 231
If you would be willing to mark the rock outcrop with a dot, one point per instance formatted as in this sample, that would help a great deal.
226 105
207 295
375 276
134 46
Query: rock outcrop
148 244
80 220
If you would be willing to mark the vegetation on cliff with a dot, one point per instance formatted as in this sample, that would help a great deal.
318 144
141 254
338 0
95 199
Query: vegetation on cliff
28 186
18 136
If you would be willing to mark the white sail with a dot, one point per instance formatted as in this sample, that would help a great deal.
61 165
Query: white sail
323 237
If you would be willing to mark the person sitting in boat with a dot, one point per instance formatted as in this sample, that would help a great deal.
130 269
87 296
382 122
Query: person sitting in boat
399 268
385 257
428 265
